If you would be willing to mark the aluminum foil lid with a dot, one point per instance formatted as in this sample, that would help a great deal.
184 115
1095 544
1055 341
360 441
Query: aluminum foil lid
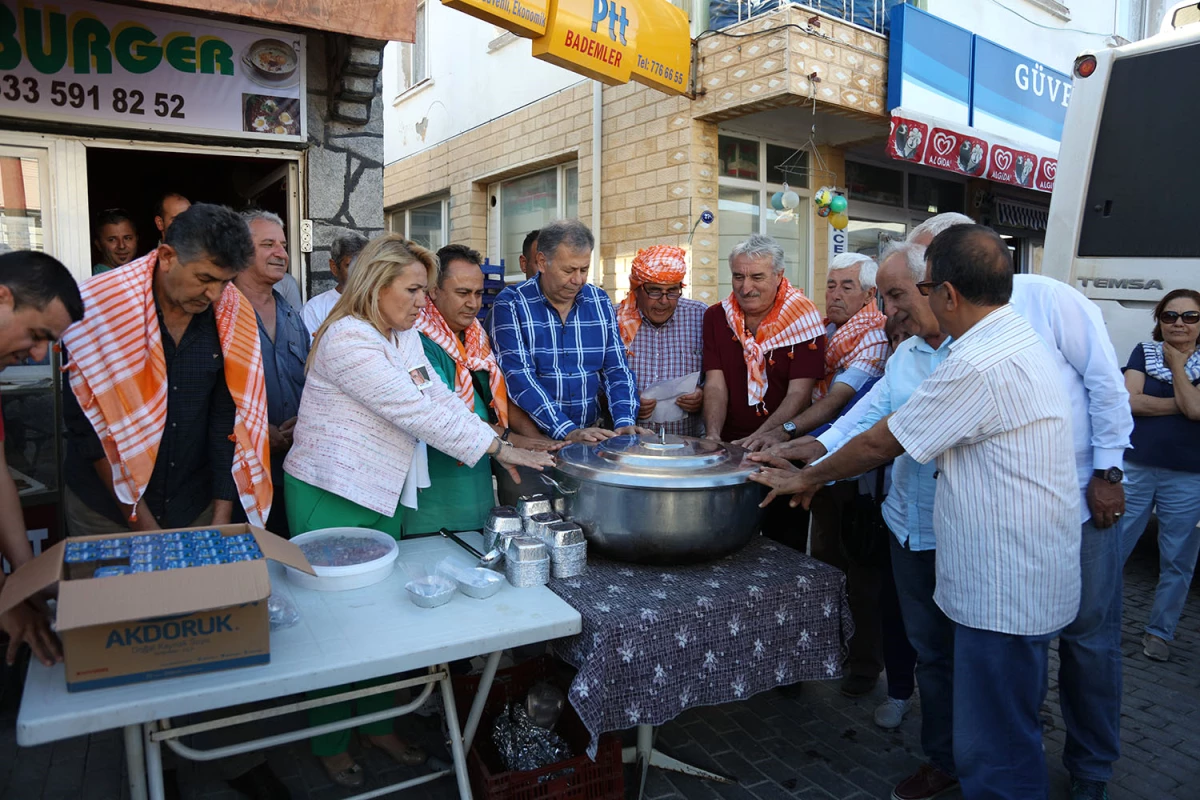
530 504
564 534
524 548
504 519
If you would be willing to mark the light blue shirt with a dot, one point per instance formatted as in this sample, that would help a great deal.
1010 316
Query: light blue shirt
908 509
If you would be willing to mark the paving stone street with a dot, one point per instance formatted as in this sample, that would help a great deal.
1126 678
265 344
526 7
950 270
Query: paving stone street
807 742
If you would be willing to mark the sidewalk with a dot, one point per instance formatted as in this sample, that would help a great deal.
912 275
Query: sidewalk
812 743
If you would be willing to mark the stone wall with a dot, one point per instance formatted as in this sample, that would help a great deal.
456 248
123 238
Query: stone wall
344 162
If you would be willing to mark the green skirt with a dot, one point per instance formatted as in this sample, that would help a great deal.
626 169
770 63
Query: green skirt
310 509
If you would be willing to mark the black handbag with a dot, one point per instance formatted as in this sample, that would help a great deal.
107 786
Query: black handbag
864 533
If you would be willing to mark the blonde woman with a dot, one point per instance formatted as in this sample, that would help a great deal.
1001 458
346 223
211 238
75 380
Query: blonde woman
369 395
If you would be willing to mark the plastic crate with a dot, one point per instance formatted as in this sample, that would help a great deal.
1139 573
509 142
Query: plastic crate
577 778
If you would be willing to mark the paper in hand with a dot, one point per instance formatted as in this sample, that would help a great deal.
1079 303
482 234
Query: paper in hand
666 393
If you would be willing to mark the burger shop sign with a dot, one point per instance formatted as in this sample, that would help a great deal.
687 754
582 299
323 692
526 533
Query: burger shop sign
101 64
612 41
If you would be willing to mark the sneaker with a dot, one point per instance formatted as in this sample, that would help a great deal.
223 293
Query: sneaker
1155 647
1082 789
858 685
891 713
924 784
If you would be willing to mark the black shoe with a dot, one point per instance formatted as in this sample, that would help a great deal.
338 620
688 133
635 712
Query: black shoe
858 685
260 783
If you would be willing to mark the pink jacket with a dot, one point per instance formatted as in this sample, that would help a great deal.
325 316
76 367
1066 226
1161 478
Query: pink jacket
361 415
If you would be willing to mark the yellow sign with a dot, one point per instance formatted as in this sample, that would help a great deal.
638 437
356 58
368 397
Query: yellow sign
523 17
614 41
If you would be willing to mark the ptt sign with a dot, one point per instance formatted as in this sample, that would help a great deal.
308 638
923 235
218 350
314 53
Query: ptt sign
617 21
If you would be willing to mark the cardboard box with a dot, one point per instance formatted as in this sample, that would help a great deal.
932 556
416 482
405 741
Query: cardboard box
150 625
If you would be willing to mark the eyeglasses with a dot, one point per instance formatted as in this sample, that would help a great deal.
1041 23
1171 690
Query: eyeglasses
1170 317
657 294
926 287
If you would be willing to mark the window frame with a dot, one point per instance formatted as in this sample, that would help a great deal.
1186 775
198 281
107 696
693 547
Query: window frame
765 189
404 215
406 55
512 273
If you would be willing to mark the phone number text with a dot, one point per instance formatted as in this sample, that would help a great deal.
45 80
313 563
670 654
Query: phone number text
63 94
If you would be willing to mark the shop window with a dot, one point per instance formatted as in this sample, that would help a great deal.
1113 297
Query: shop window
424 224
869 237
875 184
738 158
934 195
527 203
744 203
21 204
414 57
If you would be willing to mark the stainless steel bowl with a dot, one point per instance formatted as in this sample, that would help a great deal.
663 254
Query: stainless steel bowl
661 499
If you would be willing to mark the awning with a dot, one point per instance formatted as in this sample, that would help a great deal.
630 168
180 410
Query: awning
388 20
920 139
1026 216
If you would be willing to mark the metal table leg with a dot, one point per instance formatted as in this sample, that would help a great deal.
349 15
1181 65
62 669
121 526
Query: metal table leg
646 756
154 772
135 762
485 686
456 740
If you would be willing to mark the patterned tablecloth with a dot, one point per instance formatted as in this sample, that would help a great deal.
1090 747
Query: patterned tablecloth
659 640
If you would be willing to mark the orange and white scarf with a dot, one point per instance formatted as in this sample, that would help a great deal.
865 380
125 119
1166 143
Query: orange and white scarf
470 354
661 264
792 319
860 342
119 375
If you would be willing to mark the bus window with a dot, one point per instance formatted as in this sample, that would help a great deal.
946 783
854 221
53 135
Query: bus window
1145 170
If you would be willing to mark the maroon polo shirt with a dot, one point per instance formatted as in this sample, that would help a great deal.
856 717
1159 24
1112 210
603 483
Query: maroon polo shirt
723 351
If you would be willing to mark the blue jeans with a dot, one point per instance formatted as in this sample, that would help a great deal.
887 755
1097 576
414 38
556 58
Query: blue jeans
932 635
999 686
1089 650
1175 497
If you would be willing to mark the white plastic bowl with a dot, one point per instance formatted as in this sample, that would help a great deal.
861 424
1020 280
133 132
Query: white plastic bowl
340 579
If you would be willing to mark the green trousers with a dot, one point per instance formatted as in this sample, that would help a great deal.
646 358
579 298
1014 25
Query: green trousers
308 509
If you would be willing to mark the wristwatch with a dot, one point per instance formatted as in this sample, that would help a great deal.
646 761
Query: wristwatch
1112 474
789 428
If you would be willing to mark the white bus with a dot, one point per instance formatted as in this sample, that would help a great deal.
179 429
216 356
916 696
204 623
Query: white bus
1124 222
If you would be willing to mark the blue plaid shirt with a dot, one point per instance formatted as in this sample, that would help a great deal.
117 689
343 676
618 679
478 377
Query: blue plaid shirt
555 371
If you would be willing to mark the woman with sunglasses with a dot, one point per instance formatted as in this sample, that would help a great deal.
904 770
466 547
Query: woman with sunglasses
1163 468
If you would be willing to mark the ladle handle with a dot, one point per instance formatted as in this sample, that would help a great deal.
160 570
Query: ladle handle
460 542
558 486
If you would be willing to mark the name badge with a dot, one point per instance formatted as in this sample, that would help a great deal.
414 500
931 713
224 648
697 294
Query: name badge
420 377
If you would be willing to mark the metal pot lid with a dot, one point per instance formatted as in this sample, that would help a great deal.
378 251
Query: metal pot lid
656 462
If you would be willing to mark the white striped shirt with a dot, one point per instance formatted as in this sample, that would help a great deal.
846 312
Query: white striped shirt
1006 517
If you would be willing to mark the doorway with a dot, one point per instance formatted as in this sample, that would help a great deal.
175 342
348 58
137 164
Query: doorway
134 180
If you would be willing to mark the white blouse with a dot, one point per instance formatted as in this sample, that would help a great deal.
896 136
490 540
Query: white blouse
366 401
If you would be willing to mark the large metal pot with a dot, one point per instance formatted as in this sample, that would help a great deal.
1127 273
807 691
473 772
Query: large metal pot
660 499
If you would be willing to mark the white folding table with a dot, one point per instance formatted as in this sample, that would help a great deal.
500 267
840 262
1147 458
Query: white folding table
342 637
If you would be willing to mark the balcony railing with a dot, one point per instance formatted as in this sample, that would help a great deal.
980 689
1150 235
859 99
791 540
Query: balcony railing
869 14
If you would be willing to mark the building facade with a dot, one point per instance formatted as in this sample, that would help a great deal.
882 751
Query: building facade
484 143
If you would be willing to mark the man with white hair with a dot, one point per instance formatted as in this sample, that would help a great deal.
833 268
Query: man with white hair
764 351
855 352
1089 675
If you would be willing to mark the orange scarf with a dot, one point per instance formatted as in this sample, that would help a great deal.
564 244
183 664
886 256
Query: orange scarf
861 342
119 375
661 264
792 319
471 355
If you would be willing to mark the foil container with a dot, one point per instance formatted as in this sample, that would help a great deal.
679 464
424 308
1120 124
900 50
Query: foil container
522 745
539 524
560 505
568 549
526 562
530 504
504 519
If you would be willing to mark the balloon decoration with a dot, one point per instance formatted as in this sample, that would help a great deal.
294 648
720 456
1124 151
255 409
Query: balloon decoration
777 201
832 205
790 199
